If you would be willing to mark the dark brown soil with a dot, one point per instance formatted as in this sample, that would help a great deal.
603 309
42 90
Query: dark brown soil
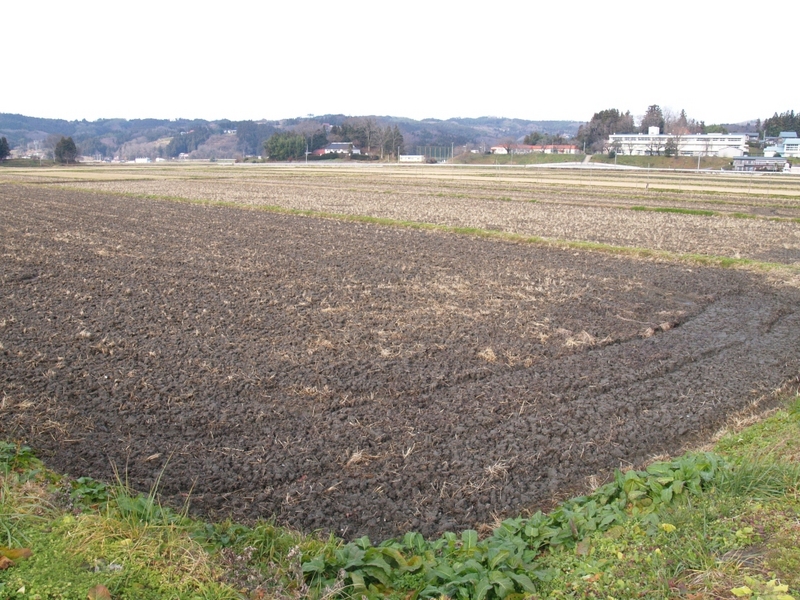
356 378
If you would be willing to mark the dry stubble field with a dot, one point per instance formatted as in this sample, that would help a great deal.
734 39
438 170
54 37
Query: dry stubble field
370 379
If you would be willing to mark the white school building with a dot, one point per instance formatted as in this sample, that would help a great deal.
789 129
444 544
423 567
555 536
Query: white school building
697 144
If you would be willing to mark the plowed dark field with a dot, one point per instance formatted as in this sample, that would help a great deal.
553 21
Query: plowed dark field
357 378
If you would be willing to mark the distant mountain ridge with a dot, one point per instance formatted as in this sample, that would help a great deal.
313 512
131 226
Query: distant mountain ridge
228 139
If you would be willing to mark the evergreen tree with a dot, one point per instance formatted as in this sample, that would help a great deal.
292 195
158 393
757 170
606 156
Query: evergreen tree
5 151
285 146
66 151
318 140
654 117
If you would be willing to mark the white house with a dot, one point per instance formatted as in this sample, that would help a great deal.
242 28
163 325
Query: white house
340 148
698 144
790 146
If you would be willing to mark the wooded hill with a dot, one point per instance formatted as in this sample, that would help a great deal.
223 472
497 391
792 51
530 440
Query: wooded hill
128 139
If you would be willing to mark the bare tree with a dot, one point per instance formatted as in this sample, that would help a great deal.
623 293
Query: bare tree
371 130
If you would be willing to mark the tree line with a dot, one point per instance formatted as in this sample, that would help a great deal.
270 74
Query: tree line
786 121
366 134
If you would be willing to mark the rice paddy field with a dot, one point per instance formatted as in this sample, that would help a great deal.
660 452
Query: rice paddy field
370 350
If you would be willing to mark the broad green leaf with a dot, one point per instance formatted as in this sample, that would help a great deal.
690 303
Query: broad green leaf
742 592
353 557
531 531
395 555
378 562
376 573
634 495
413 563
607 520
470 539
472 566
358 581
315 565
524 581
443 571
497 557
482 589
503 585
363 543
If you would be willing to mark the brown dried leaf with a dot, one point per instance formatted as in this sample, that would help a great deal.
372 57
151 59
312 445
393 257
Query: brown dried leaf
15 553
99 592
582 548
5 563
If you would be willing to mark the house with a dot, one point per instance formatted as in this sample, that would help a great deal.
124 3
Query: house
700 144
788 145
791 147
759 163
341 148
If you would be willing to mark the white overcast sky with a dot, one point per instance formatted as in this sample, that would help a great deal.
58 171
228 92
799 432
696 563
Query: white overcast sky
272 60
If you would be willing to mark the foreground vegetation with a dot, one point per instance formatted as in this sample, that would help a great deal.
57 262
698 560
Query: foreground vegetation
718 524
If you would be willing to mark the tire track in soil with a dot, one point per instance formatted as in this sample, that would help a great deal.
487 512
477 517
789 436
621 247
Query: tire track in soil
338 375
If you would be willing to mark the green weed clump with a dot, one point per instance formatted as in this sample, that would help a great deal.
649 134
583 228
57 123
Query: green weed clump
509 561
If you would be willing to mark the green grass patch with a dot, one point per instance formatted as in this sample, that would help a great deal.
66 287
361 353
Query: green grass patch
679 211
